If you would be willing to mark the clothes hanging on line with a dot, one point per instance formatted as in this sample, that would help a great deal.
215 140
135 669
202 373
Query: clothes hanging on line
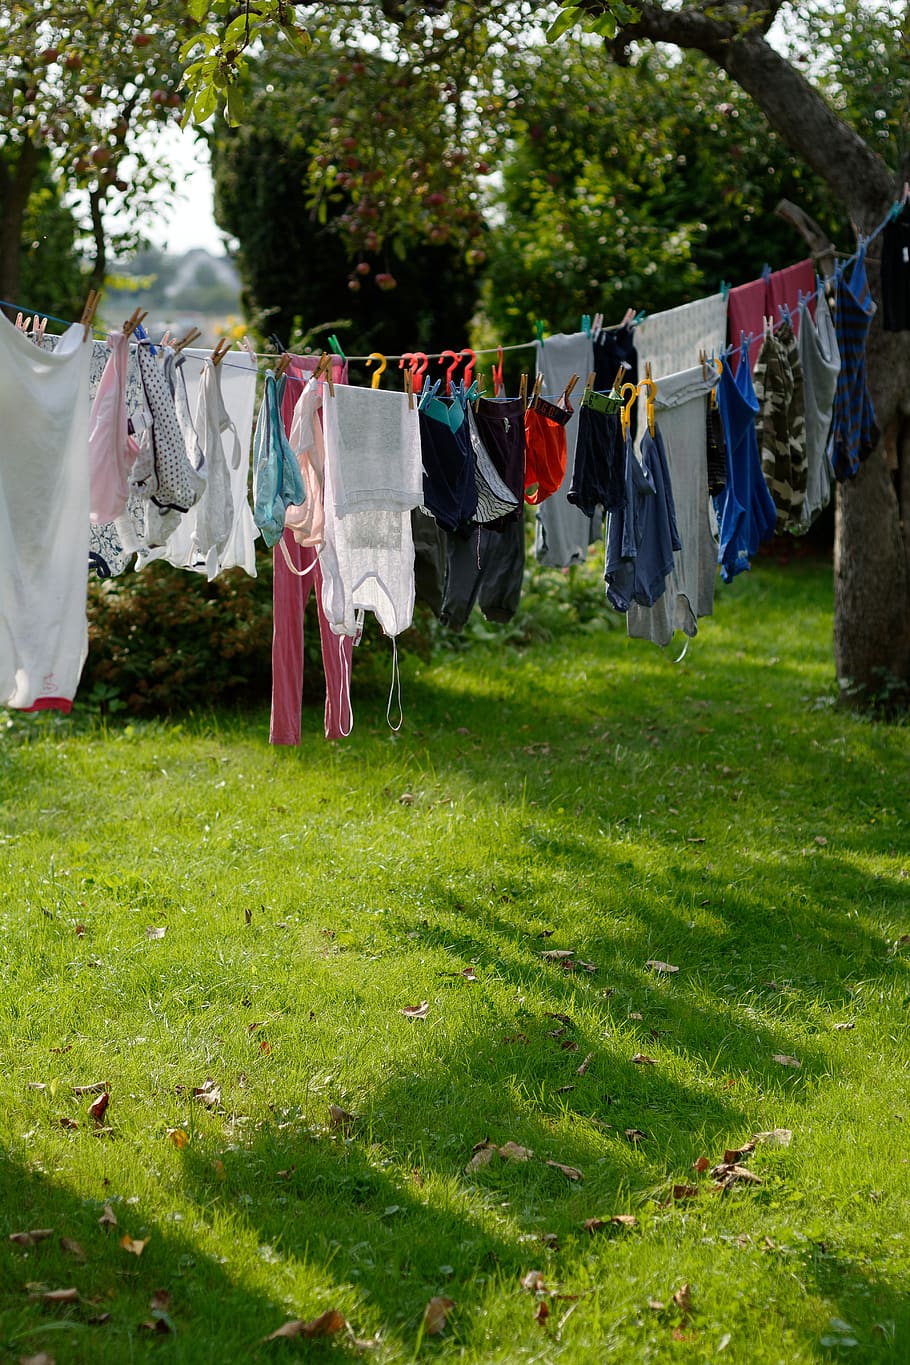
745 511
749 304
681 403
781 423
854 432
671 340
44 518
641 534
895 270
563 532
820 363
545 449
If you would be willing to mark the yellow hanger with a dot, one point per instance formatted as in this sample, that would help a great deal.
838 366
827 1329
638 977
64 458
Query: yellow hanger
626 415
376 355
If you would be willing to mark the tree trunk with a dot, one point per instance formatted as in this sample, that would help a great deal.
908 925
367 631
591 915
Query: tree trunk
872 527
16 182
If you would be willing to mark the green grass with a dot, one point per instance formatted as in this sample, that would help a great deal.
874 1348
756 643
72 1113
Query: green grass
719 815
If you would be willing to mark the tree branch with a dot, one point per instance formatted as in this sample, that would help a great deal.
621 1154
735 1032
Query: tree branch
823 250
99 267
797 111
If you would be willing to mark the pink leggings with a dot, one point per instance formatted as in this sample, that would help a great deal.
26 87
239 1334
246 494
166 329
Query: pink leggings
289 599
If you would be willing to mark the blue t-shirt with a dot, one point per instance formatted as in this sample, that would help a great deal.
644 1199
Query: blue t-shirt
745 509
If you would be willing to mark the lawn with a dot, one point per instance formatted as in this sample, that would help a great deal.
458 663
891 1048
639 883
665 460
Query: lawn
643 911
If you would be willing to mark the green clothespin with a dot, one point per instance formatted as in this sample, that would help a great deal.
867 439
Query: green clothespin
725 290
336 347
639 317
538 329
586 324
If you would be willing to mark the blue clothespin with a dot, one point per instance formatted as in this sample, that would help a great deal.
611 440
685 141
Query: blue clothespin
639 317
143 335
766 272
428 391
586 324
336 347
538 330
784 310
724 290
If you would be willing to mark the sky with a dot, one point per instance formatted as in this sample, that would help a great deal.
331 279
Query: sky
185 220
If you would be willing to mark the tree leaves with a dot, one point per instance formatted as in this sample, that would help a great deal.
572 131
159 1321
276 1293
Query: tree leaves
328 1324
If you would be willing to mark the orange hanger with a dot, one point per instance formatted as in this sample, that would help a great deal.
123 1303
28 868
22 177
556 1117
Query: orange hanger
419 370
452 368
468 369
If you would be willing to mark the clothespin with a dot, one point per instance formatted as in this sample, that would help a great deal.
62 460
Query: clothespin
284 361
376 355
586 324
617 382
325 367
88 312
19 323
523 392
639 317
336 346
724 290
538 385
222 346
628 319
133 321
766 272
409 388
592 380
538 330
192 335
703 362
597 325
40 328
248 347
567 391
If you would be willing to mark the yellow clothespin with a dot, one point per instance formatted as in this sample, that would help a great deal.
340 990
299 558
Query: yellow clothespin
376 355
88 312
222 346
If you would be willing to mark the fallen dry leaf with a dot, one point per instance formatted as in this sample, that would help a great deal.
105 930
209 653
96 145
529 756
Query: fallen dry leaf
94 1088
406 799
569 1045
160 1301
98 1320
685 1191
152 934
624 1220
635 1135
58 1296
469 974
728 1173
31 1238
589 967
436 1314
134 1245
775 1137
580 1070
534 1282
821 840
642 1059
563 1018
734 1154
36 1085
701 1164
847 1023
654 966
72 1248
784 1060
482 1155
557 954
511 1151
326 1325
208 1093
108 1218
161 1326
178 1136
563 1089
68 1123
98 1108
656 1305
570 1172
218 1168
417 1011
340 1118
248 916
42 1358
541 1313
683 1300
593 1225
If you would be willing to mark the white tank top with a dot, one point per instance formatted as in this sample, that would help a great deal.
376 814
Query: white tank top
44 518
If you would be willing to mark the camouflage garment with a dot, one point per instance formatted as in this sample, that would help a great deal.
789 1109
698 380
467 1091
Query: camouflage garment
781 424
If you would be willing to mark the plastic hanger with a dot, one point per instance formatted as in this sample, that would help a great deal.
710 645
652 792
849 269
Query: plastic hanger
451 370
468 369
377 375
626 415
419 371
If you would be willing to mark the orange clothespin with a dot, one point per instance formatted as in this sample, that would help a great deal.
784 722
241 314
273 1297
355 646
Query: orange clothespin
376 355
284 361
452 368
88 312
192 335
